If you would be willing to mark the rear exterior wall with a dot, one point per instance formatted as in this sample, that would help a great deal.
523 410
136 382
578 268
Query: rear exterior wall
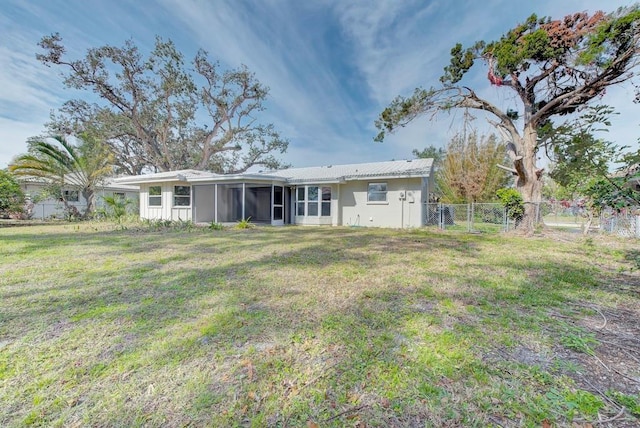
403 208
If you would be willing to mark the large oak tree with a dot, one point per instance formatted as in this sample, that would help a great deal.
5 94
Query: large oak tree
159 114
554 67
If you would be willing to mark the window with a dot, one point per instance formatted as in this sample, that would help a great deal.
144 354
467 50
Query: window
313 201
312 198
181 196
277 203
119 195
155 196
377 192
300 200
71 195
326 202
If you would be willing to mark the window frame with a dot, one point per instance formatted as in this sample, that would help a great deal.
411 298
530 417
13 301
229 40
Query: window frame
71 195
319 206
371 192
301 203
325 202
313 204
177 196
278 203
155 197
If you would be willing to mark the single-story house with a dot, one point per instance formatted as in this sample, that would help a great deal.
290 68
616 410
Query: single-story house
382 194
51 207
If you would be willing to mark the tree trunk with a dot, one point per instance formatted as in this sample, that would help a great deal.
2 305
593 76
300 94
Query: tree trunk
90 197
530 181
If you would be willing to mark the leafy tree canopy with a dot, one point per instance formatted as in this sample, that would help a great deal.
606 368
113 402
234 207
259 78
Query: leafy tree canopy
158 114
431 152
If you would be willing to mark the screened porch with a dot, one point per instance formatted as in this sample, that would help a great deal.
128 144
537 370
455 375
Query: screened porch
232 202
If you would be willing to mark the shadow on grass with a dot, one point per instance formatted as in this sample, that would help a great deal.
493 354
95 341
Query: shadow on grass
323 325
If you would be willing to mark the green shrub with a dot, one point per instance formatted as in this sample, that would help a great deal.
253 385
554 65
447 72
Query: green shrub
178 225
511 199
115 207
11 195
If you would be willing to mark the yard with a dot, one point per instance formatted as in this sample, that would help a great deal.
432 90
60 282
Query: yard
315 327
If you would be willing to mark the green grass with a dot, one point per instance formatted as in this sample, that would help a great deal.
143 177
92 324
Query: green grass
153 325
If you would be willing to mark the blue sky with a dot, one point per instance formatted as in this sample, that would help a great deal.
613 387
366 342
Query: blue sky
331 65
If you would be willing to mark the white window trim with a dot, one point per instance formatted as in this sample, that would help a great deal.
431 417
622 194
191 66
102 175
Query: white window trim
181 196
323 202
318 201
302 201
149 196
315 201
386 194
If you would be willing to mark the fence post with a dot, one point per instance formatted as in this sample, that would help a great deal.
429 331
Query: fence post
440 216
470 217
505 220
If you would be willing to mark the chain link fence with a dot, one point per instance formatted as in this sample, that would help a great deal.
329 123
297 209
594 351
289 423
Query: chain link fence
624 222
474 217
493 218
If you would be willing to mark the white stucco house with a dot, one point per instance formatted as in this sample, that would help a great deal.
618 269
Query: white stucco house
52 207
380 194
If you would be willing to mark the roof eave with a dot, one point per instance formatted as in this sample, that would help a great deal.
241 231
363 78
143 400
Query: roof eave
316 181
387 176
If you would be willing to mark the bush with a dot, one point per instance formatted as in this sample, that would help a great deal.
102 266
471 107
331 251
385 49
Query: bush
511 199
115 207
176 225
12 197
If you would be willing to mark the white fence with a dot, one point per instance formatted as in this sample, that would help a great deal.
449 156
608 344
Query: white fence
51 210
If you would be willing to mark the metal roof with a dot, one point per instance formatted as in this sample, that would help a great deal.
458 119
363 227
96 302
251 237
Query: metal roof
180 175
358 171
317 174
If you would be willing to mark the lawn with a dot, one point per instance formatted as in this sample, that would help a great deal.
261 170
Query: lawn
315 327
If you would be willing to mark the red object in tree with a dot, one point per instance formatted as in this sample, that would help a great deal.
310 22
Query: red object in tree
495 80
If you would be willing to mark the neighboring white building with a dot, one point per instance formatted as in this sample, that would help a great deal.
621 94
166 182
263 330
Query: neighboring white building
54 208
379 194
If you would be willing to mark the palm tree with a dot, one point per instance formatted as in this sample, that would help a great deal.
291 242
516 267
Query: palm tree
81 167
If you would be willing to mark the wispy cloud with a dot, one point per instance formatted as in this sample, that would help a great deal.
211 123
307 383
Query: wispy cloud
331 65
289 54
